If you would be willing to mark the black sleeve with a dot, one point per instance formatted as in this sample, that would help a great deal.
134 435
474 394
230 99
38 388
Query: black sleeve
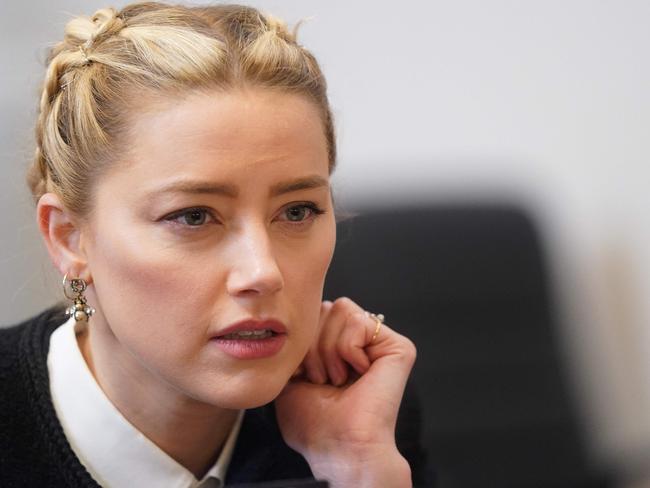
408 437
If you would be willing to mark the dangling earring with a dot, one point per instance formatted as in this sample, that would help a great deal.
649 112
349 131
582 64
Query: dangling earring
80 310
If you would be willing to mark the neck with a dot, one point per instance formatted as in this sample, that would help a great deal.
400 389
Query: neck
189 431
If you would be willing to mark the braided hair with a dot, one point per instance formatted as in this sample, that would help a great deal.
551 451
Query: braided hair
108 65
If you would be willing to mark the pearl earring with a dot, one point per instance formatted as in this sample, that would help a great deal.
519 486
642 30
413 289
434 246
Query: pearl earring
80 310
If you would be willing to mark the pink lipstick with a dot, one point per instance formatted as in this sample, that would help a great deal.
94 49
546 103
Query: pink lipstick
251 339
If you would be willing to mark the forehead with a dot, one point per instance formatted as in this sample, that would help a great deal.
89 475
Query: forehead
220 135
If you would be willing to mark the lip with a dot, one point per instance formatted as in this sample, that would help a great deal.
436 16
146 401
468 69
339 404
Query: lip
252 324
251 348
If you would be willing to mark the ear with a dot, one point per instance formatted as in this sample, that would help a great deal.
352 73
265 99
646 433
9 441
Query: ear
61 231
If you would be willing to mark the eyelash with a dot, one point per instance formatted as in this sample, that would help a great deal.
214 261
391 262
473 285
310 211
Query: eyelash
315 210
174 217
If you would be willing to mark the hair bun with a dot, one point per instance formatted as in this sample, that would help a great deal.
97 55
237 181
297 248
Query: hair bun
107 23
279 28
89 30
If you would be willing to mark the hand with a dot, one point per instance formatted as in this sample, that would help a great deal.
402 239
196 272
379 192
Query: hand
340 411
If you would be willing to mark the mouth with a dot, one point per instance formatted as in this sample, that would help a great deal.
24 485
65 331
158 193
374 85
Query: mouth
251 339
249 335
252 329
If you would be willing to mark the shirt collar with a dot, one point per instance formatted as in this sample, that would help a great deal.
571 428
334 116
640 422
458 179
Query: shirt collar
113 451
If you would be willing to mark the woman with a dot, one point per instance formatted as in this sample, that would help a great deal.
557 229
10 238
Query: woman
182 186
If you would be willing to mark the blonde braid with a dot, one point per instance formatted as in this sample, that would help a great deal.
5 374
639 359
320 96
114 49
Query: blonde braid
64 59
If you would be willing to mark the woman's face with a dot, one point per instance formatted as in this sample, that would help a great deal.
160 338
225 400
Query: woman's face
220 213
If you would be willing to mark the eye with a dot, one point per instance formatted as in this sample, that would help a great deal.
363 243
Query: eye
195 217
296 214
191 217
301 212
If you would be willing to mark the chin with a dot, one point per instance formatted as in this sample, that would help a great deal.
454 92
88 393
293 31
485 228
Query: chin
251 395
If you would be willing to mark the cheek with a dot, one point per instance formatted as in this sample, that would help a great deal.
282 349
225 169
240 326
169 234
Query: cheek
148 292
304 273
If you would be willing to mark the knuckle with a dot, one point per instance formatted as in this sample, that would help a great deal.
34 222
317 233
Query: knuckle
341 301
345 308
341 304
357 322
410 350
361 316
326 306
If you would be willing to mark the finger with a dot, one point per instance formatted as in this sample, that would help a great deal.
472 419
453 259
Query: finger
342 310
353 340
392 357
314 367
313 364
353 336
381 340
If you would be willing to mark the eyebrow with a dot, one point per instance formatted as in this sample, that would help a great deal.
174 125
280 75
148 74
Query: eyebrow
307 183
202 188
196 188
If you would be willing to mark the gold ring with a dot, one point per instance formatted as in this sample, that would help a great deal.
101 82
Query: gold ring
379 319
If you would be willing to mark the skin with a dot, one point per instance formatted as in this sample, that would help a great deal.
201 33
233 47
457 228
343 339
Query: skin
165 277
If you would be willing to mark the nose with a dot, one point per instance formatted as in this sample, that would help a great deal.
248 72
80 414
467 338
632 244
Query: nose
253 269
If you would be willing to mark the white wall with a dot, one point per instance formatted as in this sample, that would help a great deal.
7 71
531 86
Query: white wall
545 103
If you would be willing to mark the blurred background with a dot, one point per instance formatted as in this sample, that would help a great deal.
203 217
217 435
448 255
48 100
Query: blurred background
498 151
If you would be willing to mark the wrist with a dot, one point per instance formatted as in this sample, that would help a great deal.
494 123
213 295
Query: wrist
362 468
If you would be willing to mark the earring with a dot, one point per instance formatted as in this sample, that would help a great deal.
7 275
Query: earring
80 310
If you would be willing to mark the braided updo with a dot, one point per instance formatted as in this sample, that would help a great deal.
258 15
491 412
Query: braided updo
110 61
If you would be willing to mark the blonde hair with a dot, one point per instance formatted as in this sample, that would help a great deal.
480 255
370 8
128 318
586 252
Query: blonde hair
152 48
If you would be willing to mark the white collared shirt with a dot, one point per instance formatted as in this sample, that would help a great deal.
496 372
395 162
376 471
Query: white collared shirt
114 452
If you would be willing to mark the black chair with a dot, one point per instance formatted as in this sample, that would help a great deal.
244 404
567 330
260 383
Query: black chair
468 285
